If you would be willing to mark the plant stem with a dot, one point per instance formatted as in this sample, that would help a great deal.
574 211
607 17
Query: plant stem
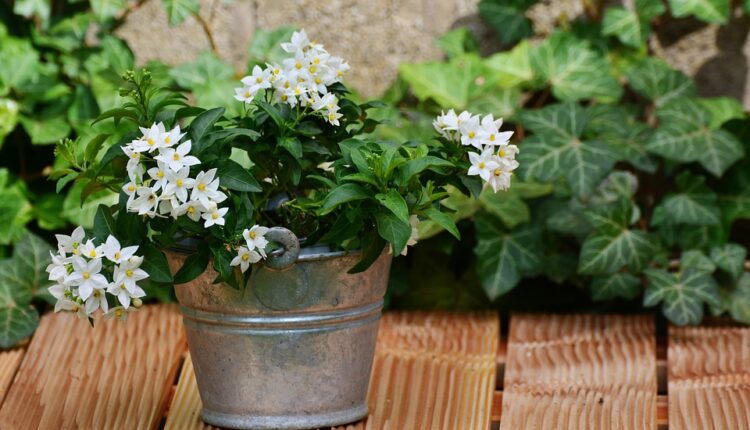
207 31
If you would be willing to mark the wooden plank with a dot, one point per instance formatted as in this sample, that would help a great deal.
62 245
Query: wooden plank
9 362
580 371
431 370
111 376
709 378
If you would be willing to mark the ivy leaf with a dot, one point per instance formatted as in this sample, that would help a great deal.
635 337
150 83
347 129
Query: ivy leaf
696 260
508 207
344 193
450 84
713 11
683 295
626 25
624 285
16 322
694 204
574 70
178 10
106 9
655 80
458 42
613 245
33 8
507 18
628 137
557 151
503 256
738 302
730 258
722 109
684 135
512 68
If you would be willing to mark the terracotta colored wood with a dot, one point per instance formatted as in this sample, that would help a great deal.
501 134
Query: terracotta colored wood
580 371
112 376
9 362
432 371
709 378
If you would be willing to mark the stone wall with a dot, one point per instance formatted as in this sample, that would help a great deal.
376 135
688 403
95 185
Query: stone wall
376 35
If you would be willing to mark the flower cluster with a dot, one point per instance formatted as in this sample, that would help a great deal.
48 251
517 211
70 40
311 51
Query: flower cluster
496 157
166 188
301 80
255 249
84 272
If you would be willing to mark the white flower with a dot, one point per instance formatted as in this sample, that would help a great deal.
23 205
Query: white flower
193 209
153 139
206 188
70 244
177 158
96 300
259 79
414 222
146 202
244 94
214 216
179 184
256 238
171 137
245 257
59 291
500 178
134 168
507 153
490 131
86 276
71 306
482 164
471 132
115 253
129 190
58 268
119 312
89 250
159 175
128 273
299 42
333 117
124 296
328 101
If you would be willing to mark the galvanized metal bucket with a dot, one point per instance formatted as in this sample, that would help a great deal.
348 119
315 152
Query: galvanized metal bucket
291 350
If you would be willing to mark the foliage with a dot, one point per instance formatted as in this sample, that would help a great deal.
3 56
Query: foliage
637 186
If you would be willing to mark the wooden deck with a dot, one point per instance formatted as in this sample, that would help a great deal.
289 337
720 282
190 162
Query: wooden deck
432 371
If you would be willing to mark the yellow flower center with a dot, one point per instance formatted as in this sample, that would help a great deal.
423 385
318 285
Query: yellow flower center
135 156
167 139
258 80
472 134
501 153
252 235
312 69
129 273
191 210
86 275
92 253
175 156
297 91
117 255
215 215
179 182
202 187
339 74
492 138
497 172
245 257
118 313
150 141
298 66
286 84
284 97
331 117
159 174
318 80
247 94
316 61
481 165
131 188
276 71
97 293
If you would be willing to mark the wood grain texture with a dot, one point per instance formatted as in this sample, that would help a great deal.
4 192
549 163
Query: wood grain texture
580 371
431 371
112 376
709 378
9 362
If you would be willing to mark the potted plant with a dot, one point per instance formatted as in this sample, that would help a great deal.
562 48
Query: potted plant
278 224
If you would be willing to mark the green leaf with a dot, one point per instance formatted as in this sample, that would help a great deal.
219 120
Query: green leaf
83 215
458 42
443 220
14 210
683 295
8 118
372 249
202 124
574 70
46 131
178 10
654 79
730 258
722 109
450 84
624 285
94 146
28 276
694 204
155 263
684 136
713 11
293 146
237 178
508 207
106 9
629 28
557 150
617 125
412 167
394 202
194 265
512 68
344 193
104 224
16 322
739 300
265 46
696 260
205 69
507 18
29 9
394 230
503 257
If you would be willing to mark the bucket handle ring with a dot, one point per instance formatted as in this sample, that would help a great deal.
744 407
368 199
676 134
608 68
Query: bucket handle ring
287 254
